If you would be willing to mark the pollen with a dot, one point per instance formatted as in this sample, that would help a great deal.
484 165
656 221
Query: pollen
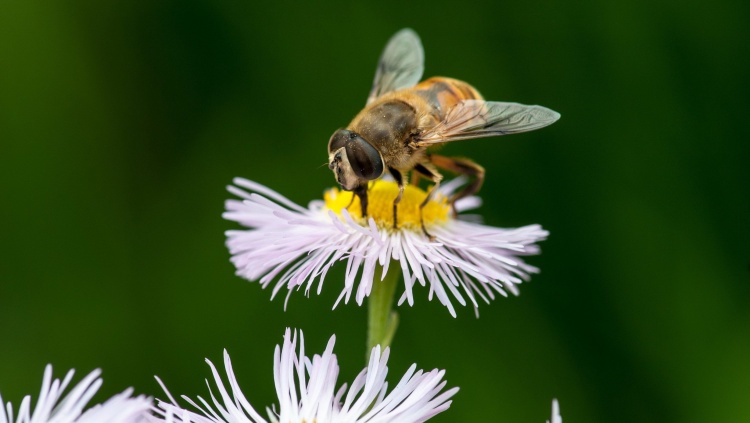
380 197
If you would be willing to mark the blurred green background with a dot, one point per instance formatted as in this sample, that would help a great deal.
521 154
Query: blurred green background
122 122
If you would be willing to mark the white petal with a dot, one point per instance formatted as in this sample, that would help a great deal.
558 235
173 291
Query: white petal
556 418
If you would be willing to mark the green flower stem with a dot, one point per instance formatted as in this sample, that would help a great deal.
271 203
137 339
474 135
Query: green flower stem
381 320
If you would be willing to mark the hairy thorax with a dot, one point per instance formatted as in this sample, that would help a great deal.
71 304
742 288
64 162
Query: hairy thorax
391 123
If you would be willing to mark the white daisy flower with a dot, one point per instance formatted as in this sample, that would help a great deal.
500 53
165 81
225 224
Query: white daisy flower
306 388
296 246
52 406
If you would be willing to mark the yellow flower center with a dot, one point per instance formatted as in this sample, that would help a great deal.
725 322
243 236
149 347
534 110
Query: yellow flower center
380 197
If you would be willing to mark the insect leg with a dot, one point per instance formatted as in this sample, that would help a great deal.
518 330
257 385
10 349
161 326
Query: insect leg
361 192
463 167
415 177
428 171
400 181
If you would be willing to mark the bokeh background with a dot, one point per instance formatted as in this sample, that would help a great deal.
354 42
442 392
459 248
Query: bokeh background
122 122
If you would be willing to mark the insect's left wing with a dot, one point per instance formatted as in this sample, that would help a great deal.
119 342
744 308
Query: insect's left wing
477 119
401 65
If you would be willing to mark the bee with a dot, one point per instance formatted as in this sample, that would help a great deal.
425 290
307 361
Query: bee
403 118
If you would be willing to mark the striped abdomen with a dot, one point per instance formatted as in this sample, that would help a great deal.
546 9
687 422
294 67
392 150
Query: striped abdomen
443 93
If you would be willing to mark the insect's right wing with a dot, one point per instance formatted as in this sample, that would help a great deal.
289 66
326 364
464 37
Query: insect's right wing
477 119
401 65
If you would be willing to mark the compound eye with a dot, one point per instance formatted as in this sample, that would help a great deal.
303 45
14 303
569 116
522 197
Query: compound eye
338 140
365 160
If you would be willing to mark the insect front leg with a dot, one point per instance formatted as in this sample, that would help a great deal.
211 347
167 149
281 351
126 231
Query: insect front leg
463 167
361 192
400 181
428 171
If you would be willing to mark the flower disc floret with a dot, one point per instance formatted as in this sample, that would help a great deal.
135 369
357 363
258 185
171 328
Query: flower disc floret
380 206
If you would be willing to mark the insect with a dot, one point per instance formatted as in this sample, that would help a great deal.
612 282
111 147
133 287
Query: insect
403 118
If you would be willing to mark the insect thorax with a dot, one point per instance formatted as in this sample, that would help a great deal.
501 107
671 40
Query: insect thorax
386 125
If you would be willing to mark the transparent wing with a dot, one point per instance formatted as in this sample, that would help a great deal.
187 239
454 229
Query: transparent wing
477 119
401 65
